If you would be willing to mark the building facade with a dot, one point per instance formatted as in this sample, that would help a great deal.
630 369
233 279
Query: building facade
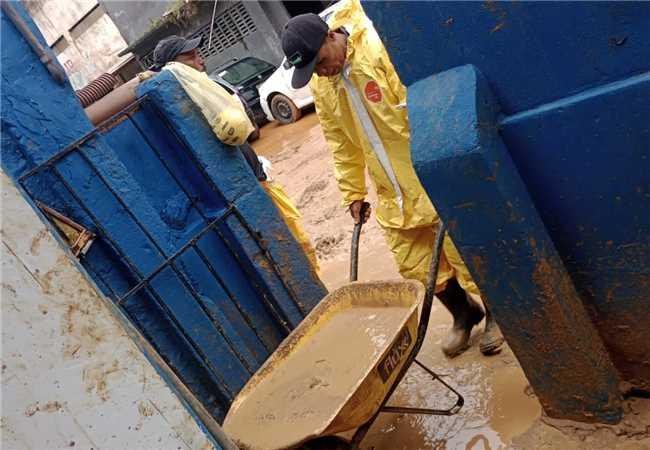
240 28
82 36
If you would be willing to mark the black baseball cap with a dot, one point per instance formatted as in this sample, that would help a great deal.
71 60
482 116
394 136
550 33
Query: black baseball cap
302 39
169 48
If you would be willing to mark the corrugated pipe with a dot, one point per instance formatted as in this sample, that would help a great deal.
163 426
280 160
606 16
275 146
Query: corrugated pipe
45 56
96 89
113 102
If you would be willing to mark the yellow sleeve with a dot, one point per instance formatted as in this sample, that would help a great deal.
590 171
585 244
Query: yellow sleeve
349 163
394 83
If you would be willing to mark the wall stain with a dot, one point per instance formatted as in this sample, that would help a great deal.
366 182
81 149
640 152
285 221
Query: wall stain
49 407
95 378
36 241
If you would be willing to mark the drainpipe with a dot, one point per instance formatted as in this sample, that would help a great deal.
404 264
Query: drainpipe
52 66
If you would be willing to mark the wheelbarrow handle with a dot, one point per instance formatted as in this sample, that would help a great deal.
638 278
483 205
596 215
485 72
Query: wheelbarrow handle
354 251
430 287
421 333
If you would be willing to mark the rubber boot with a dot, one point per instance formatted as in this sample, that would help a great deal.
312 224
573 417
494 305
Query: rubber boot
466 313
492 339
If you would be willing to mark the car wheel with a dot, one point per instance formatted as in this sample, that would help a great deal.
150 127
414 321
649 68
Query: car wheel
284 110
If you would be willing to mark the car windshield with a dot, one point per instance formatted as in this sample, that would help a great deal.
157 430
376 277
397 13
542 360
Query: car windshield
244 69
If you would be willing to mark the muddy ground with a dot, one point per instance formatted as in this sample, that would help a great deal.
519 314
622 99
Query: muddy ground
501 410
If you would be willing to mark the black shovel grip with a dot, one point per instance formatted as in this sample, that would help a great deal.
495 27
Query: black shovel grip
354 251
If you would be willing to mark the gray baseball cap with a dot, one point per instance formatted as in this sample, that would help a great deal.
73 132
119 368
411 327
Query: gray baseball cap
169 48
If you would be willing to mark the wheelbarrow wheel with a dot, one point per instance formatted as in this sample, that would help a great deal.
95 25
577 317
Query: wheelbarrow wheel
327 443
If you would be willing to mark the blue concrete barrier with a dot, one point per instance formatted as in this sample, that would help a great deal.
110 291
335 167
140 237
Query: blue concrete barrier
572 81
470 177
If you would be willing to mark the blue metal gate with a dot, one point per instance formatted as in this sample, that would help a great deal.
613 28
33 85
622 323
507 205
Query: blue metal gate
169 250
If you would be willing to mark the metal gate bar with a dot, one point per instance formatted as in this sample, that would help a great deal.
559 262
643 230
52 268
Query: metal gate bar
136 272
226 236
274 309
190 289
282 319
199 166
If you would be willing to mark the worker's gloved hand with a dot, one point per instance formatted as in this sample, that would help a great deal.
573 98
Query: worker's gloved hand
359 208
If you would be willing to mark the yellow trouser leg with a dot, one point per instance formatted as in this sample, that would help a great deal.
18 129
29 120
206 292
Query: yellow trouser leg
291 217
413 249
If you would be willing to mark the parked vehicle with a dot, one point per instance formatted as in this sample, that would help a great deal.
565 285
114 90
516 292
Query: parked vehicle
278 99
243 76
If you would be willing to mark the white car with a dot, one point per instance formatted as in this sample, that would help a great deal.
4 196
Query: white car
278 99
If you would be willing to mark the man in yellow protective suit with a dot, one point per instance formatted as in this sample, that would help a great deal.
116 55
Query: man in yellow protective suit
361 103
180 55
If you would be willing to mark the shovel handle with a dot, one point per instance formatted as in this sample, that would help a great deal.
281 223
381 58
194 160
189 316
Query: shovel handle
354 251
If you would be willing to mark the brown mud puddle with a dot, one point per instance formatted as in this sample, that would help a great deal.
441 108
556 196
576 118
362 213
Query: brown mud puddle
276 138
497 406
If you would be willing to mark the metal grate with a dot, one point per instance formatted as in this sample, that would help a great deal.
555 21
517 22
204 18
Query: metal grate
210 223
148 288
230 27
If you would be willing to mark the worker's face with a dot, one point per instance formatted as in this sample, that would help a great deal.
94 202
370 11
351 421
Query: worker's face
192 59
331 56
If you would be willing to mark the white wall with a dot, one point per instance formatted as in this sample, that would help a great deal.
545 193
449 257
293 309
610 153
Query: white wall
54 17
71 377
85 48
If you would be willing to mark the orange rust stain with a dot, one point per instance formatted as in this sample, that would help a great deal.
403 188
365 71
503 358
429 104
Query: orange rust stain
145 410
95 378
49 407
479 268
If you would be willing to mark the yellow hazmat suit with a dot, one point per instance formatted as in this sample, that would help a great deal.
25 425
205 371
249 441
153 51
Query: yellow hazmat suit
363 115
229 122
292 218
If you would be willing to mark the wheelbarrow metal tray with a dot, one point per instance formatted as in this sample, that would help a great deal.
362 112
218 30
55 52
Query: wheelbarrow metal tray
332 372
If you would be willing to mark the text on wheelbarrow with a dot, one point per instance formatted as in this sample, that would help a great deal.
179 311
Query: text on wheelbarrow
395 355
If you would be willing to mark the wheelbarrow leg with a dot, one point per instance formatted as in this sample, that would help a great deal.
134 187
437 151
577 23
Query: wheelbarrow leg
460 401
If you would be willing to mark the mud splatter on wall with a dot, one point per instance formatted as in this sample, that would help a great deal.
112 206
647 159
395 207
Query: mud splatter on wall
70 374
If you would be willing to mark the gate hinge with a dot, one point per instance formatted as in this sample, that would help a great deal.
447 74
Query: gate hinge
79 238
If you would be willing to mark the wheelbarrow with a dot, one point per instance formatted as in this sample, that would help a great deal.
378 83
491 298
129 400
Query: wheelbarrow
337 369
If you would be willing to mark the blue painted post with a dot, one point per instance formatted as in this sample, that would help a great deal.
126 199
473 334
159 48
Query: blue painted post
227 170
572 80
470 177
585 160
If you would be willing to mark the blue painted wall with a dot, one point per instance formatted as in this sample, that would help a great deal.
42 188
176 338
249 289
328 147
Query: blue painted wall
477 189
531 52
146 185
572 83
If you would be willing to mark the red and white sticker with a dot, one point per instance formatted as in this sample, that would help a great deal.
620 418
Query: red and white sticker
372 92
